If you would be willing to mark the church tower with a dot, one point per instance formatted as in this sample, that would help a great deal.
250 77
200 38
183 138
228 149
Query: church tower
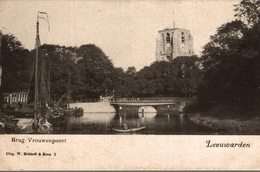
173 42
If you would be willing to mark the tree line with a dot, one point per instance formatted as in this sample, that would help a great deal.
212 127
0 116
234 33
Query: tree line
92 73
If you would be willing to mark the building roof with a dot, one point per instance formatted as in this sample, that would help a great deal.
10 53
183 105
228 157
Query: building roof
172 29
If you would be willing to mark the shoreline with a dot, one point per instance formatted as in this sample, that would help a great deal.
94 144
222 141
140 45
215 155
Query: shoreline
228 126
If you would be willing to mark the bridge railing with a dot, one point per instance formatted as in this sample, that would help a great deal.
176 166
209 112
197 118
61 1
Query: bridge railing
147 100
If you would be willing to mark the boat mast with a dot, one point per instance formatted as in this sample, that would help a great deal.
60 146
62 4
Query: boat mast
69 91
37 45
48 81
1 99
0 57
40 15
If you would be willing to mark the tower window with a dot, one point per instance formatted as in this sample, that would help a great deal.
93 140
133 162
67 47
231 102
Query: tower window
168 39
163 42
182 37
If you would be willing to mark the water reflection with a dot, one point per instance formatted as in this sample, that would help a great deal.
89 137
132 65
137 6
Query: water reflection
181 121
155 123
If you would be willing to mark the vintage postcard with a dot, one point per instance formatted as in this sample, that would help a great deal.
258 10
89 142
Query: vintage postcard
129 85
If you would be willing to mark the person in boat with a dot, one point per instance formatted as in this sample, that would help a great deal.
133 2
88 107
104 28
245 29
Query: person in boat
124 126
35 123
44 126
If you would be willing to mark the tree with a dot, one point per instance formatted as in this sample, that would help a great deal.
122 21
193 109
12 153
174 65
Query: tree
131 71
96 70
248 11
16 64
179 77
231 61
62 62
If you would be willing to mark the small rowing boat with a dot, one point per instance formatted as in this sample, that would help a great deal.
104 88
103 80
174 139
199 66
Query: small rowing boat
128 130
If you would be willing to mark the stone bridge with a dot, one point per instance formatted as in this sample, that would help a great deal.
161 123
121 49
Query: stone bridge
119 103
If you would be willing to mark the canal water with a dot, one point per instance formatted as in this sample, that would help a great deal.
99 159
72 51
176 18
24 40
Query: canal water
102 123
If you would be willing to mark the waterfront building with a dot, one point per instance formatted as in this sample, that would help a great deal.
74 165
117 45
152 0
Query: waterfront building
16 97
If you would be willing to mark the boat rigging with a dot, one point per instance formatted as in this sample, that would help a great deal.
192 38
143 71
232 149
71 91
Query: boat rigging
44 16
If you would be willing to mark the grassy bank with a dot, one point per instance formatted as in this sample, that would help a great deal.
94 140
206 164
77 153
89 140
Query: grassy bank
228 126
229 119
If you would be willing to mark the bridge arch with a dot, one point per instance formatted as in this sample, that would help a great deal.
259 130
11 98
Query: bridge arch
147 109
154 102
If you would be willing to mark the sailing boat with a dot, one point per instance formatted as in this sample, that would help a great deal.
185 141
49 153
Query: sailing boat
71 111
38 122
41 86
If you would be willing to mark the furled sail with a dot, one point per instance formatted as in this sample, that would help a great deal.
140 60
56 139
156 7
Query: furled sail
44 79
41 76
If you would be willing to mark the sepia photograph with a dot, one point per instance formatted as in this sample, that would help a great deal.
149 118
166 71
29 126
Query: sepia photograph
133 73
118 67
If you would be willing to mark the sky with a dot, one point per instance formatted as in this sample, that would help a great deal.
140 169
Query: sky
125 30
